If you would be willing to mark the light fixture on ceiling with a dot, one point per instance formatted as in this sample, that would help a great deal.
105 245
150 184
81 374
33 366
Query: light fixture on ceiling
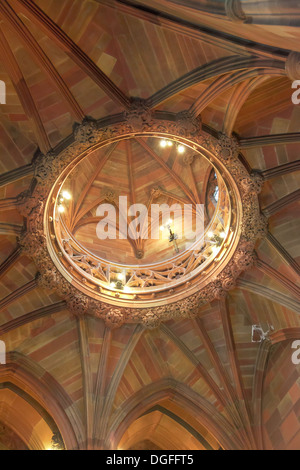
169 143
215 250
172 235
166 143
216 240
64 195
119 282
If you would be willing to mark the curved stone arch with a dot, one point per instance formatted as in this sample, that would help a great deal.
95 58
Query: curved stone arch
224 83
215 69
104 413
280 366
159 437
286 334
42 387
21 427
257 389
182 395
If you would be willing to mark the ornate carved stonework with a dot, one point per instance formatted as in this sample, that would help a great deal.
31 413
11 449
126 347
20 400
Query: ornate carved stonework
139 117
155 193
72 276
187 125
245 256
227 148
86 132
57 442
110 197
114 318
188 160
151 320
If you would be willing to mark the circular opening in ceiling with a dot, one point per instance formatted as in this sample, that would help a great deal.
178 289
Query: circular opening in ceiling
141 201
145 170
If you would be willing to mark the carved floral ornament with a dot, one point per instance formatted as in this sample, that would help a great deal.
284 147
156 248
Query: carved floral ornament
39 242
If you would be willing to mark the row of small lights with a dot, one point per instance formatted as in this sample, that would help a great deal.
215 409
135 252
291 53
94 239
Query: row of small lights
169 143
64 196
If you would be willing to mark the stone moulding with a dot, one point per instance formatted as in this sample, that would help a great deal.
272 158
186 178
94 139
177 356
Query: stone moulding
234 11
292 66
140 120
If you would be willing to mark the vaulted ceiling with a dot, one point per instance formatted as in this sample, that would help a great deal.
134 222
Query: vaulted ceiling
202 378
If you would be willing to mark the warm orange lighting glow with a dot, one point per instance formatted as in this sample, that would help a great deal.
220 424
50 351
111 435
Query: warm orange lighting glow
66 195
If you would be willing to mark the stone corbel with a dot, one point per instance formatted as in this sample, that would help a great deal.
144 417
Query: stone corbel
234 11
292 66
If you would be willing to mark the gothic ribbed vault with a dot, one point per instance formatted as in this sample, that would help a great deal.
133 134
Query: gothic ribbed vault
74 376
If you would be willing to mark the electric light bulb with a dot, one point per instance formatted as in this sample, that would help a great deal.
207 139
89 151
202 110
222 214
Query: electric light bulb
181 149
61 209
170 143
162 228
66 195
163 143
113 285
210 234
223 235
121 277
169 221
215 250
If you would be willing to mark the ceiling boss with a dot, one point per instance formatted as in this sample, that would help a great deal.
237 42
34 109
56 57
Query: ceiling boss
95 206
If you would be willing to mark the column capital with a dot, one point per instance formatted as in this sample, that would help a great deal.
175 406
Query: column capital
234 11
292 65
